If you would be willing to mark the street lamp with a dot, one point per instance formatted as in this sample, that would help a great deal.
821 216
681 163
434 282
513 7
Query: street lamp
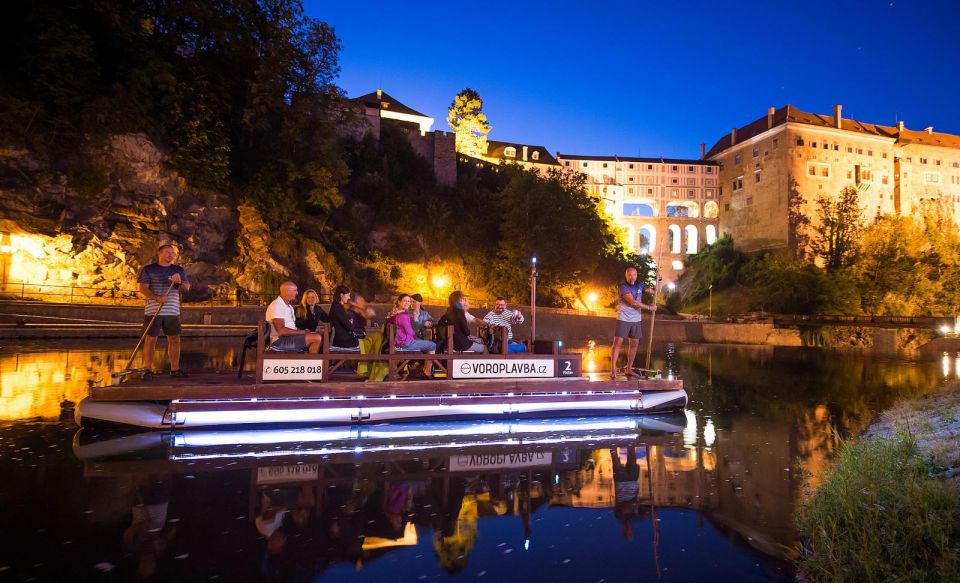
710 303
592 299
533 301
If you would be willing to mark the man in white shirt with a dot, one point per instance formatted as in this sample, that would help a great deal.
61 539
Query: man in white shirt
284 335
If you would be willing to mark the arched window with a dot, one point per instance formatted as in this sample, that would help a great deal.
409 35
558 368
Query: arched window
637 209
509 152
675 239
650 233
711 234
691 233
710 209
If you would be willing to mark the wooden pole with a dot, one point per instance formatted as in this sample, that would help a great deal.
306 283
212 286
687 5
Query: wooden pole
653 315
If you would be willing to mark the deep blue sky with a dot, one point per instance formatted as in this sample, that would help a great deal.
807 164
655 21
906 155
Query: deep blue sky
653 78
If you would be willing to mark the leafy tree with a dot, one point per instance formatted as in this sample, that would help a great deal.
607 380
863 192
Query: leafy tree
840 225
717 264
466 118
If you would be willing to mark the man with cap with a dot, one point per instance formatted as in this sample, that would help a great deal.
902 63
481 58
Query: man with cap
420 320
161 282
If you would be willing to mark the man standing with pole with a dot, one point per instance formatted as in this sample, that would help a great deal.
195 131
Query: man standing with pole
629 293
160 283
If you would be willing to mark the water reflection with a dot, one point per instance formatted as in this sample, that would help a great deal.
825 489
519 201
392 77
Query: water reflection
327 499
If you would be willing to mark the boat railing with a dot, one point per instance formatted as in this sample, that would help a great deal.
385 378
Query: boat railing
299 366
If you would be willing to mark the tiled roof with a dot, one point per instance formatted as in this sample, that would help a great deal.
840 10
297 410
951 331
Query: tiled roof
633 159
791 114
386 102
495 150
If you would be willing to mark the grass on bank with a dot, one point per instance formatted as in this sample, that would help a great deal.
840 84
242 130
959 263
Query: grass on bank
881 515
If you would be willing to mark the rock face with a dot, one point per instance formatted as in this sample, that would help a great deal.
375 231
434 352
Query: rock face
55 236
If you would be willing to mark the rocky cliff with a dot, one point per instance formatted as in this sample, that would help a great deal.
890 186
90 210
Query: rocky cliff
54 234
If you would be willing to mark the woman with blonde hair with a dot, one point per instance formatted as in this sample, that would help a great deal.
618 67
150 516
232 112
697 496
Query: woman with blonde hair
309 314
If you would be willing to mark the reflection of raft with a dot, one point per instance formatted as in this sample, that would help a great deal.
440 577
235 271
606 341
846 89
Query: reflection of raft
212 400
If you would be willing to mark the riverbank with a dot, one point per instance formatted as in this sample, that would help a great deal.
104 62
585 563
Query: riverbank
889 509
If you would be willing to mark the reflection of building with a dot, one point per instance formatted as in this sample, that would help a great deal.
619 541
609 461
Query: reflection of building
436 147
665 201
789 154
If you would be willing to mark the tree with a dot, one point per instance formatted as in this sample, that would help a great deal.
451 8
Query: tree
840 225
466 118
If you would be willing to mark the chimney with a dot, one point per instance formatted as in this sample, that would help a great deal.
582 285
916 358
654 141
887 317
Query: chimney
524 153
770 113
379 93
703 151
928 129
733 136
899 126
837 116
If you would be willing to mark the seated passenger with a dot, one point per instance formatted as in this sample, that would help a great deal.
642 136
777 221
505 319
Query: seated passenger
456 314
361 314
343 320
406 339
309 314
284 334
420 320
500 316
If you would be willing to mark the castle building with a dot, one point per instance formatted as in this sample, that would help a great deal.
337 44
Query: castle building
436 147
794 157
527 155
657 201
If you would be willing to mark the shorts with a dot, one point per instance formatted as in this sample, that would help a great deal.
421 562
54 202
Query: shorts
420 345
169 324
297 343
628 330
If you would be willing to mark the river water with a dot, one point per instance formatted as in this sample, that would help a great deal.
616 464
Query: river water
707 493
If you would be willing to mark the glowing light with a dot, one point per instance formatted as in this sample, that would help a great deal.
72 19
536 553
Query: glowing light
677 265
945 329
533 260
946 364
709 433
441 281
592 297
690 430
671 286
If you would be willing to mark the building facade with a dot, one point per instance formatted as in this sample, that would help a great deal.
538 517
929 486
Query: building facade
775 168
526 155
657 201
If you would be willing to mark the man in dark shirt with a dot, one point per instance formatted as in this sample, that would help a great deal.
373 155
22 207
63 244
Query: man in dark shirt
160 283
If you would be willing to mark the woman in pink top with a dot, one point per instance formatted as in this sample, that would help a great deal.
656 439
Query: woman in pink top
406 337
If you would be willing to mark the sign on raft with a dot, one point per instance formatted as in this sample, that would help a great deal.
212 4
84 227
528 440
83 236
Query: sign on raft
499 461
276 369
513 368
291 473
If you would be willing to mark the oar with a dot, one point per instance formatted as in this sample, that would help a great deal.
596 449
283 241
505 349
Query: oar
653 315
126 370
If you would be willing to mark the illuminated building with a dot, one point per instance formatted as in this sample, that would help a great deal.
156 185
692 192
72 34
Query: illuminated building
656 201
794 156
526 155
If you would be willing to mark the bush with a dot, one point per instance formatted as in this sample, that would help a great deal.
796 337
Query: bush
881 516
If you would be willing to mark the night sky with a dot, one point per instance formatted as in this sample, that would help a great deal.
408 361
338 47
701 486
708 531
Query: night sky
654 78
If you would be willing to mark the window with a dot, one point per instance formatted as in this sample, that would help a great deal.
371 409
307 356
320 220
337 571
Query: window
799 141
756 151
566 163
650 191
691 181
836 147
631 179
813 144
738 183
691 169
604 164
849 174
826 146
649 166
631 166
956 164
884 179
674 181
749 200
923 160
849 149
869 152
931 178
736 159
866 175
674 192
776 142
509 152
937 162
818 169
709 193
584 164
535 156
756 176
726 205
859 150
691 194
630 190
710 168
884 155
674 168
